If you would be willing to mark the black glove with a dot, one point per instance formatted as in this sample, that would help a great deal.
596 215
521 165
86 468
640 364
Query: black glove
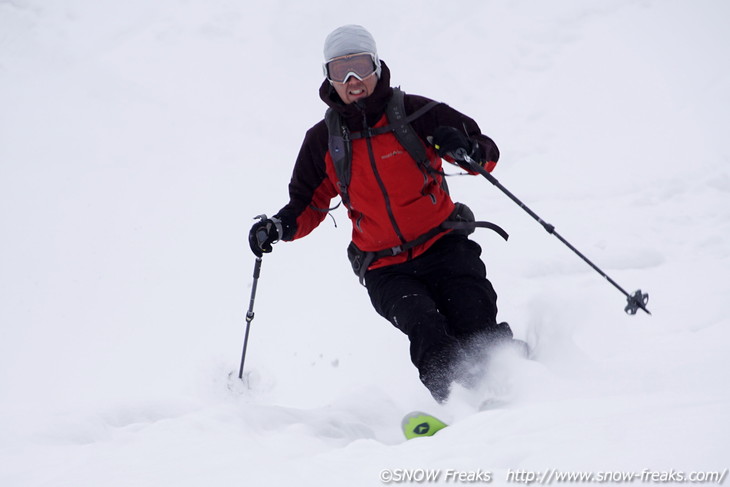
449 140
263 233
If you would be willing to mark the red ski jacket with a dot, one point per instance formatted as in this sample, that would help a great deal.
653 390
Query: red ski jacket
392 199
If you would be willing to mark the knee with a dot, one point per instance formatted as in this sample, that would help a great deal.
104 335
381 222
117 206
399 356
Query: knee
412 313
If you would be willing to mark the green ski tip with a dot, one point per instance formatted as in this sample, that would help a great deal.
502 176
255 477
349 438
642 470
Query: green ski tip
418 424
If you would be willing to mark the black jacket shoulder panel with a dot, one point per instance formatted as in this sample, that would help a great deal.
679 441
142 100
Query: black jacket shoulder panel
308 174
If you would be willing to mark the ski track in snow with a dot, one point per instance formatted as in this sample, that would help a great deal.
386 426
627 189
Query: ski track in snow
139 139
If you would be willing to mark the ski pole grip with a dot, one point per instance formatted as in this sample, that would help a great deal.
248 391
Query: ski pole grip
261 236
460 154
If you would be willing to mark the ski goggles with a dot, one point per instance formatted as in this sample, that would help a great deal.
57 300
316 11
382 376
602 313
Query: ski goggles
359 65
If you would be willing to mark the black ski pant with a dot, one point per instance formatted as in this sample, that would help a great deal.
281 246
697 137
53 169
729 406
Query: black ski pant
444 302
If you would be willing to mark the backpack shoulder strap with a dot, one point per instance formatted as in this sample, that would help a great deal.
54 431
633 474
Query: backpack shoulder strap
400 124
340 146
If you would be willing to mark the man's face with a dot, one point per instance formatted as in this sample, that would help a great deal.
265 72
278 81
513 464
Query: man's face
354 89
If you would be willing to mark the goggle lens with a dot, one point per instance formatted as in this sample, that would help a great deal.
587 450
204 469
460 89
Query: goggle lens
358 65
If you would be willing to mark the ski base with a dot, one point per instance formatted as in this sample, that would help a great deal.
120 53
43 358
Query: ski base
420 425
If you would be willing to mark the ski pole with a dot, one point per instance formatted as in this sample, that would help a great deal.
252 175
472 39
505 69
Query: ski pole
634 301
261 236
249 313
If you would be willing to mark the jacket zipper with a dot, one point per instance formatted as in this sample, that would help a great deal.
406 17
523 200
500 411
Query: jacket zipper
388 207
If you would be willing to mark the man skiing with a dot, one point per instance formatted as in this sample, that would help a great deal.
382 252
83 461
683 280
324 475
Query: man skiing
409 239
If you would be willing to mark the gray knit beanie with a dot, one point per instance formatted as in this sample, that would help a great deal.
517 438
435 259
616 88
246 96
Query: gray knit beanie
350 39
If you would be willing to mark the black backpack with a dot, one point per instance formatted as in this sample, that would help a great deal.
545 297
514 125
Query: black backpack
340 148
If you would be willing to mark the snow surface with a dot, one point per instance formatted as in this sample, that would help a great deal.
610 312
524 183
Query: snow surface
139 139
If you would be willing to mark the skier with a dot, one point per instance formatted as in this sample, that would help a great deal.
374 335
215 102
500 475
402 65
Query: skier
423 276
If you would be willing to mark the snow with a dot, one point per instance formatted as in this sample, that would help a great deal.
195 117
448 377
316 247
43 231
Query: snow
139 139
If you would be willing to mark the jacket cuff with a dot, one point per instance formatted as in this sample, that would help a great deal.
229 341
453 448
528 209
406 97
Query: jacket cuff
285 226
